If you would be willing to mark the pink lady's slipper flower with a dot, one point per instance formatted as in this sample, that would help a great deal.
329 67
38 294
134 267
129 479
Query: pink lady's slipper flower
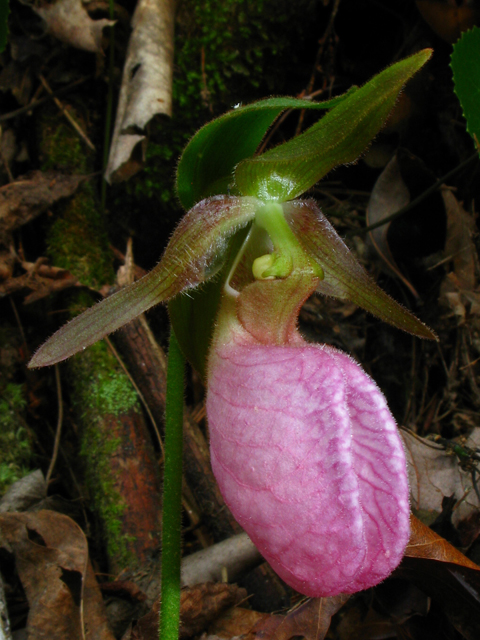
304 448
310 462
303 445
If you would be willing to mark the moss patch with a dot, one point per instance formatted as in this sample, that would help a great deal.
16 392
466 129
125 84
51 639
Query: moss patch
101 384
61 148
15 445
77 241
225 53
102 389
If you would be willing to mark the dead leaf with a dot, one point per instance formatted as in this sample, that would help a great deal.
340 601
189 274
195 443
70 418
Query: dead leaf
24 493
389 195
16 78
459 245
448 19
425 543
458 290
239 622
389 614
311 620
199 605
26 198
444 573
51 555
7 262
146 86
434 474
40 280
124 589
69 21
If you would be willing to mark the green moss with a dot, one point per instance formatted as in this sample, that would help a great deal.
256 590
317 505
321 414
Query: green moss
101 389
15 445
225 53
61 147
101 383
77 240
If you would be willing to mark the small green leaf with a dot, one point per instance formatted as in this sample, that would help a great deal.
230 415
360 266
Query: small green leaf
201 237
287 171
345 278
206 166
465 63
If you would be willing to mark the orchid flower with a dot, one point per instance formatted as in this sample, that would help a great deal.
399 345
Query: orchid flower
305 450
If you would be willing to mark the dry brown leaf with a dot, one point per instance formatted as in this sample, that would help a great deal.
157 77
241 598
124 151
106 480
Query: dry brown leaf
310 620
444 573
459 245
425 543
40 279
448 19
7 263
51 555
388 615
24 493
434 474
458 288
146 88
26 198
38 286
239 622
199 606
389 195
69 21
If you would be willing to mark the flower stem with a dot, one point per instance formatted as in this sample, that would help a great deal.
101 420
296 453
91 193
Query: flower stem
172 494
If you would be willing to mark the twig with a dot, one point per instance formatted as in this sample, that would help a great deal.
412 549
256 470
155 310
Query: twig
324 38
67 115
58 431
237 554
422 440
37 103
417 200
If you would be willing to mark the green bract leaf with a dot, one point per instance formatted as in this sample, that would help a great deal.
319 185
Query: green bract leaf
206 166
344 276
200 239
465 63
339 137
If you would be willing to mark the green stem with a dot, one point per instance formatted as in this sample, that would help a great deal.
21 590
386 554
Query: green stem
172 494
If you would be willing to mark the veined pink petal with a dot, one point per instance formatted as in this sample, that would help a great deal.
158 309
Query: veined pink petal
309 460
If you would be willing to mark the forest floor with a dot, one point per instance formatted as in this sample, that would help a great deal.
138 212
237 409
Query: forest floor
81 442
